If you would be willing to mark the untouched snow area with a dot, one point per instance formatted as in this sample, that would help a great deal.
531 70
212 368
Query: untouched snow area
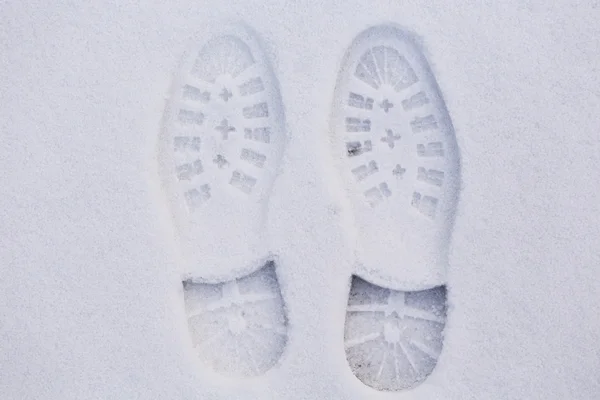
91 297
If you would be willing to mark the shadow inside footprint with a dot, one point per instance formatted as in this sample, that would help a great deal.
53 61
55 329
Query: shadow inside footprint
393 338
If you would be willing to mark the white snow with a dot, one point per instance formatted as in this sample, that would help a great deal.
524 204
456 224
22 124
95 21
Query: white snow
401 240
91 303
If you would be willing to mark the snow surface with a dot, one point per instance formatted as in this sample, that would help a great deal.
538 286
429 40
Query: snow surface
91 303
